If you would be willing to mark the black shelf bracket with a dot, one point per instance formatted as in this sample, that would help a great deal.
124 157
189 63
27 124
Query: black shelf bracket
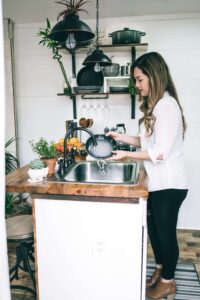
73 97
133 57
132 106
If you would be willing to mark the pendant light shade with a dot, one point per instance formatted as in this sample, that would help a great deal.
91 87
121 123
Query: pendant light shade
71 32
97 57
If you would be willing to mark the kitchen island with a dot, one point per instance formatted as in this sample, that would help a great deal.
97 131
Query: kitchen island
90 239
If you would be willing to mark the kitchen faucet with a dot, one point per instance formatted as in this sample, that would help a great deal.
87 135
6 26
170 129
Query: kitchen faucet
69 158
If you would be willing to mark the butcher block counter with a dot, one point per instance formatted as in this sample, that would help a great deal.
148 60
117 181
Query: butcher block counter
18 182
90 240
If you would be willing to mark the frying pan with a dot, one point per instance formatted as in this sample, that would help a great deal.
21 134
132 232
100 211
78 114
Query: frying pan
103 149
88 77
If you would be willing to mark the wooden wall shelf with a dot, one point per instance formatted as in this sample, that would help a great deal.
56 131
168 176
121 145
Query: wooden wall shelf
115 48
79 94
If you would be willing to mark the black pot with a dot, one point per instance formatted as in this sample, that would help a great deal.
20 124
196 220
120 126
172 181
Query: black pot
125 147
126 36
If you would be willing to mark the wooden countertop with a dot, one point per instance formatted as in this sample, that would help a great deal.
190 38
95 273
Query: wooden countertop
17 181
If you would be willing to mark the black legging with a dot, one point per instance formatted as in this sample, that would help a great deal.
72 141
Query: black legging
162 215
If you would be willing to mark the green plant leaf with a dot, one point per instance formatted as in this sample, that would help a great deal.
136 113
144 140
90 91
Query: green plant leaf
132 88
10 141
11 162
48 23
44 149
8 203
53 45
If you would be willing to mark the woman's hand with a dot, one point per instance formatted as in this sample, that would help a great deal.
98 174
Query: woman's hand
118 155
114 134
124 138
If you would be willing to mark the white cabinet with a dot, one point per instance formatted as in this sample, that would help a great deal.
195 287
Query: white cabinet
90 250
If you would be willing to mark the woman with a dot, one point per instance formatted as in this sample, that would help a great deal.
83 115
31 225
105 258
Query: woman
162 129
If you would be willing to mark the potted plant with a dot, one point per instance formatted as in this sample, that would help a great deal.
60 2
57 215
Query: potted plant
11 164
47 152
132 88
53 45
37 170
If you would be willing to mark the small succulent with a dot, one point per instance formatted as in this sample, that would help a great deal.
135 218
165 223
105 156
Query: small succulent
37 164
73 7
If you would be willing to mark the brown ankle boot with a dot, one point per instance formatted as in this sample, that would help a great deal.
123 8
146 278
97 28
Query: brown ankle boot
154 278
161 290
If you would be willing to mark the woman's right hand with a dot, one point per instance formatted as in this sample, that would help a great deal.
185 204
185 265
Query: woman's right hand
114 134
124 138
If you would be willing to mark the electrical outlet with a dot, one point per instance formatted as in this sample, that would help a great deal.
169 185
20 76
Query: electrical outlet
99 247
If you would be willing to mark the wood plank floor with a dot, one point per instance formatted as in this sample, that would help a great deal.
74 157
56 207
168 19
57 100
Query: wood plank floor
189 243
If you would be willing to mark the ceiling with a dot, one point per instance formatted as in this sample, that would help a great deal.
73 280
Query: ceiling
36 11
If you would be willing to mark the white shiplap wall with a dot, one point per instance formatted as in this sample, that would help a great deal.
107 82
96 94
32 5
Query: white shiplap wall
42 113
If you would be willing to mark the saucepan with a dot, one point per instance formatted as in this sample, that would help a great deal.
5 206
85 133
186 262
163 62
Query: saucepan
103 149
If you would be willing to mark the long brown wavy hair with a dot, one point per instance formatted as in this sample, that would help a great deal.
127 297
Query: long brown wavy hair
154 66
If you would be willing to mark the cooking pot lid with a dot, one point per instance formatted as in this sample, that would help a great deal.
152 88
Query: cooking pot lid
88 77
103 149
127 30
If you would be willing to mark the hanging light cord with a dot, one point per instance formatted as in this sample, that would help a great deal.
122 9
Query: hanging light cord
97 25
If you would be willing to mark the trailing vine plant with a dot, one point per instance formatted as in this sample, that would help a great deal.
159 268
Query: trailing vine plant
53 45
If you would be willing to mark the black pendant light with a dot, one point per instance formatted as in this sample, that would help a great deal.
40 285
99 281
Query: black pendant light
71 32
97 57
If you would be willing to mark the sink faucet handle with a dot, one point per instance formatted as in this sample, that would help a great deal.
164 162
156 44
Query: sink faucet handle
61 170
106 129
71 156
73 150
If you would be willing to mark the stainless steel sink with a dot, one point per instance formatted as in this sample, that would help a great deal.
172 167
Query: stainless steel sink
103 172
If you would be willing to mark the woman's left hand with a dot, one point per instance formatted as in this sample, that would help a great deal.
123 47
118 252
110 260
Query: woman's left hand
118 155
